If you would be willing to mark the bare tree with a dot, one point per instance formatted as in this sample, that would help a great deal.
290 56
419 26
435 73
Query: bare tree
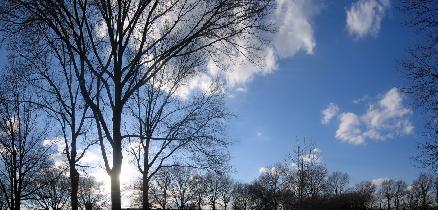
310 173
23 157
400 189
241 196
423 186
57 91
181 186
172 129
51 191
91 194
366 189
388 190
422 70
338 182
272 182
225 191
213 189
199 190
117 46
160 188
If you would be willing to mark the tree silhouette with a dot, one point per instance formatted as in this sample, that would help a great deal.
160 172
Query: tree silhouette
116 47
23 157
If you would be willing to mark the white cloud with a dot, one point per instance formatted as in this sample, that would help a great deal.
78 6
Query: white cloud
329 112
379 181
385 119
271 170
349 130
259 134
295 34
365 16
263 170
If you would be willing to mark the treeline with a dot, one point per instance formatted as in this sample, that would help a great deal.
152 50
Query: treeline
302 182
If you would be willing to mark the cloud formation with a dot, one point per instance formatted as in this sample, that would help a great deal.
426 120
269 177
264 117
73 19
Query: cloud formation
384 119
294 34
379 181
365 16
329 112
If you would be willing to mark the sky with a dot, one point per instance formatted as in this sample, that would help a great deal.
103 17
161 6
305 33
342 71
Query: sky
331 75
336 82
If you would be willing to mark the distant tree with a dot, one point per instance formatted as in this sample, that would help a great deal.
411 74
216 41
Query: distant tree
387 190
225 190
435 189
272 184
23 157
160 188
310 173
213 184
337 182
400 189
421 68
241 196
366 190
181 186
411 198
422 186
51 190
199 190
91 194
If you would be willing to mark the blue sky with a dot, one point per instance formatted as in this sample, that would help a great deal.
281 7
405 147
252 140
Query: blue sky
347 62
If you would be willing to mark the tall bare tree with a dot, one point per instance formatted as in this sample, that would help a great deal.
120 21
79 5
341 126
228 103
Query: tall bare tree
23 156
173 131
58 93
400 189
117 47
421 68
387 190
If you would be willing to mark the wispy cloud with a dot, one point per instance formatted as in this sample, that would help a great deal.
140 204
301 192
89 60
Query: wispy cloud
329 112
365 16
259 133
384 119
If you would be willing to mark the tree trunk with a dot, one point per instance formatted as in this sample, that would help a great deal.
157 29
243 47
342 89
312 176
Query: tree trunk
199 202
74 181
145 200
115 176
389 203
17 201
116 202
